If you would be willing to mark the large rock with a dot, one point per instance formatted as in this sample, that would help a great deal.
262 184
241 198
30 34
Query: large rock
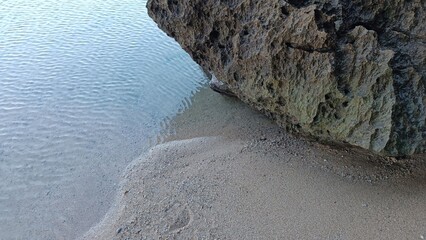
340 70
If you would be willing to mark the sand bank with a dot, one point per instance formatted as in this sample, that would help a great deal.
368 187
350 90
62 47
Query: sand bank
230 173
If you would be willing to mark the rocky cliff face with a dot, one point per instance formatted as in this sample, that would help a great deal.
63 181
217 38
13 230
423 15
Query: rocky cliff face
341 70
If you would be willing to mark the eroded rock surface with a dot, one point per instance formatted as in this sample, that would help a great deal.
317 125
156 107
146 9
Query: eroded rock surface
340 70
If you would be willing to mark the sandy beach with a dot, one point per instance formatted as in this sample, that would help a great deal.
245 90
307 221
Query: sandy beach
230 173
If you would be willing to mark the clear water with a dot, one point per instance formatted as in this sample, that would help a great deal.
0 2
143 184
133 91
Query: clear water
85 85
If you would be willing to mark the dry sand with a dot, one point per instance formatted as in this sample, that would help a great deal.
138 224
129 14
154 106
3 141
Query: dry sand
230 173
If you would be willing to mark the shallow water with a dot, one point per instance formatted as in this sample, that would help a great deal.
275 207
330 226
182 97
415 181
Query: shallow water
85 86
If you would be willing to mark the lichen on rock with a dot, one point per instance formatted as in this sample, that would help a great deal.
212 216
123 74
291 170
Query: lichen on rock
339 70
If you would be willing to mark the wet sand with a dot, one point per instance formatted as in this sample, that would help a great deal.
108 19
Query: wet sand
230 173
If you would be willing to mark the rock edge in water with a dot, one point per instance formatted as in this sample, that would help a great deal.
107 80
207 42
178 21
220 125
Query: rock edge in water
348 71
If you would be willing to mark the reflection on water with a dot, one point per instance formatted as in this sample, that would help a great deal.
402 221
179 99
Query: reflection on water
84 85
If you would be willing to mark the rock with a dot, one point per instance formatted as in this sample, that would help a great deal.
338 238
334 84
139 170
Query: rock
347 71
220 87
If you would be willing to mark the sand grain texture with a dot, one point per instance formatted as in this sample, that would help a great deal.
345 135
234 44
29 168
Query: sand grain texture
252 181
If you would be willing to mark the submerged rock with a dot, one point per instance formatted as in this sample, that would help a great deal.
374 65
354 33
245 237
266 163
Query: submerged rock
339 70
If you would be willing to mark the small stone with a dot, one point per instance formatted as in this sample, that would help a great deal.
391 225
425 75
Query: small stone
422 237
364 205
220 87
119 230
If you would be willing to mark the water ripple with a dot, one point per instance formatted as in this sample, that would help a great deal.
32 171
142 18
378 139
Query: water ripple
85 85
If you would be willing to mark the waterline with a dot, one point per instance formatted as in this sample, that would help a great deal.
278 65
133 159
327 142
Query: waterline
84 86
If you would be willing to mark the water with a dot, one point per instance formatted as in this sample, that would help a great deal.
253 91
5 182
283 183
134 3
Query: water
85 85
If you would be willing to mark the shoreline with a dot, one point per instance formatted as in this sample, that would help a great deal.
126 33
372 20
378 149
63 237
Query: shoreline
230 173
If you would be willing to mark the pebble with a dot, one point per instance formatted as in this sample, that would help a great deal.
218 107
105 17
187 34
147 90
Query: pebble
365 205
422 237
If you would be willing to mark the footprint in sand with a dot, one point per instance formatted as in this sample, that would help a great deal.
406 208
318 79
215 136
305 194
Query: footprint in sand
183 219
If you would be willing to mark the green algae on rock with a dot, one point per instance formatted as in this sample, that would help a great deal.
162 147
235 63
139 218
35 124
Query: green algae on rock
338 70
